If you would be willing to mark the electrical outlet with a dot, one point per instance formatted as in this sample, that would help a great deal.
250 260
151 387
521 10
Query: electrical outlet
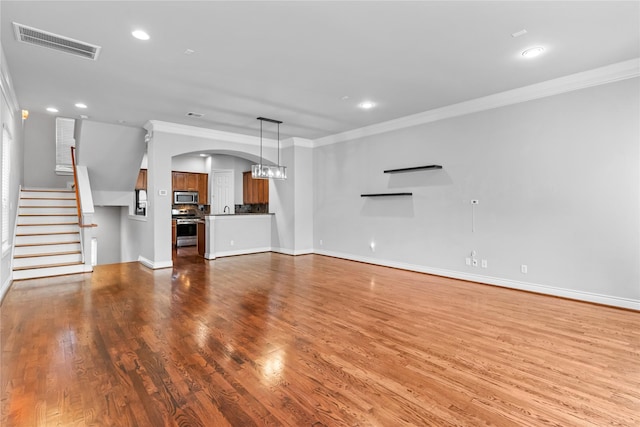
484 263
232 243
523 269
372 246
467 261
321 243
474 262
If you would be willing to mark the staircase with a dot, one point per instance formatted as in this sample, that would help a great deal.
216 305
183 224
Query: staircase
47 239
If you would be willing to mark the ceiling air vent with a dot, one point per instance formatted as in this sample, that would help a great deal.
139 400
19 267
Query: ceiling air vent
192 114
53 41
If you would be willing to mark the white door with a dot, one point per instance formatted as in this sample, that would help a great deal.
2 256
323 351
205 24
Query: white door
223 201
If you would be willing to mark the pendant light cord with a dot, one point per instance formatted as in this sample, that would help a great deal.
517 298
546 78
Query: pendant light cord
278 144
260 146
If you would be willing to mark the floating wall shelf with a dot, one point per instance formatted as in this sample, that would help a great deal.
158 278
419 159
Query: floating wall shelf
385 194
413 169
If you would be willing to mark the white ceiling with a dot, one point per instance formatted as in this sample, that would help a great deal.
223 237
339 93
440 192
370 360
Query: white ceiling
295 61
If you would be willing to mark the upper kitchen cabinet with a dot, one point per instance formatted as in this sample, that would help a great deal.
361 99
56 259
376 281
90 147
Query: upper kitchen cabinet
254 191
141 183
191 181
179 181
203 188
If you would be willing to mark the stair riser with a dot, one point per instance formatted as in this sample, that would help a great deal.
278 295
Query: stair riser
41 229
53 210
46 272
42 260
25 240
46 249
46 202
48 195
25 220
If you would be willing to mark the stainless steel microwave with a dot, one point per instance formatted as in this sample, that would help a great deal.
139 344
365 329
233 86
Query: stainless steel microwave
185 197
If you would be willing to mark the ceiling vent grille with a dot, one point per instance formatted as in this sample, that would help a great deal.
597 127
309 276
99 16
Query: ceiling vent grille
53 41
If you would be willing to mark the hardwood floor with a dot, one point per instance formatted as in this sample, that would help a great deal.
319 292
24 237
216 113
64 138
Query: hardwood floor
270 339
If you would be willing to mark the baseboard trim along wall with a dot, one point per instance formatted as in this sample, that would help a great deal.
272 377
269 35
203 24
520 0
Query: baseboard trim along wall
495 281
154 265
292 252
5 287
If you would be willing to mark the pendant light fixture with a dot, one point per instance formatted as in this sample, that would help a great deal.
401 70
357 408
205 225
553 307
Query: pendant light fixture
262 171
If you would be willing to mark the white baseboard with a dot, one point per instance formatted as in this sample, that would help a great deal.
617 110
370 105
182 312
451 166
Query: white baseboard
5 287
239 252
496 281
292 252
154 265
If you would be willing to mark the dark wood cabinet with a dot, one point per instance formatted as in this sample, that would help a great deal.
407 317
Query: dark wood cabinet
141 183
254 191
174 238
203 188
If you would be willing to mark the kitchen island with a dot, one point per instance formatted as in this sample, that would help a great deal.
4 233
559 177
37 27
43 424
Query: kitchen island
234 234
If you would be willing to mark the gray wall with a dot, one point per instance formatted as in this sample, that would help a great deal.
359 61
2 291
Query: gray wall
108 234
40 153
557 180
112 154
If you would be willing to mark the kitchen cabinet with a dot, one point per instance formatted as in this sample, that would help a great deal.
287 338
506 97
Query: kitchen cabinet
141 183
192 181
174 237
203 188
254 191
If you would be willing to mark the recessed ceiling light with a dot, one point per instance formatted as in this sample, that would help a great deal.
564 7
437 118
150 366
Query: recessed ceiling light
533 52
81 105
204 155
140 35
52 109
366 105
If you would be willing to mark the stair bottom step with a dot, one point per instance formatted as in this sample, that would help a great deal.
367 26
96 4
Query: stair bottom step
52 270
35 267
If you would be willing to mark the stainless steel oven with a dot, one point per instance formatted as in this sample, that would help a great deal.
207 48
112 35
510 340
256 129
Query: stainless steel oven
186 232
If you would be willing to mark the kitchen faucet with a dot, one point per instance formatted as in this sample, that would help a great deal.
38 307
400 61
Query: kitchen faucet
225 209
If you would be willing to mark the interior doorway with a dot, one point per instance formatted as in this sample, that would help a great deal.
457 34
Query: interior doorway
222 192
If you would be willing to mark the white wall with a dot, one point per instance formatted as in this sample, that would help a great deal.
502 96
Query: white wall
108 234
40 149
11 119
189 163
557 179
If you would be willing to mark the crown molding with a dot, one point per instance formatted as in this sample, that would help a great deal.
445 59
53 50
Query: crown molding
599 76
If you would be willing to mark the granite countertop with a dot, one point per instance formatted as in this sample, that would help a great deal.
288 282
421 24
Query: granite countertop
241 214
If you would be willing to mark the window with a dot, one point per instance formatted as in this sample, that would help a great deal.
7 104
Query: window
6 174
64 141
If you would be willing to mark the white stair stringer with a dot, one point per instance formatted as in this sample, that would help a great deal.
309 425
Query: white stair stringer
47 241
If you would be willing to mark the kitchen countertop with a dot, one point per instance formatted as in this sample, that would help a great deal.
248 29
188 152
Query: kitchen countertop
241 214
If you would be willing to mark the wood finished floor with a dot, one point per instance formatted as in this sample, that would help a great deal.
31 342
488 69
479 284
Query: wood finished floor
270 339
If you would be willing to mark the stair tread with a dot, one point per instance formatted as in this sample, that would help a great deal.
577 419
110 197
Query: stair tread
34 267
48 206
47 234
48 223
47 190
46 254
25 245
48 214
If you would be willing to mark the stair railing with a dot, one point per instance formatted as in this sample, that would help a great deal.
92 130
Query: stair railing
75 185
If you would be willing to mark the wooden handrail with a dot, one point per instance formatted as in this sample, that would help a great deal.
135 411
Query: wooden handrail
75 184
